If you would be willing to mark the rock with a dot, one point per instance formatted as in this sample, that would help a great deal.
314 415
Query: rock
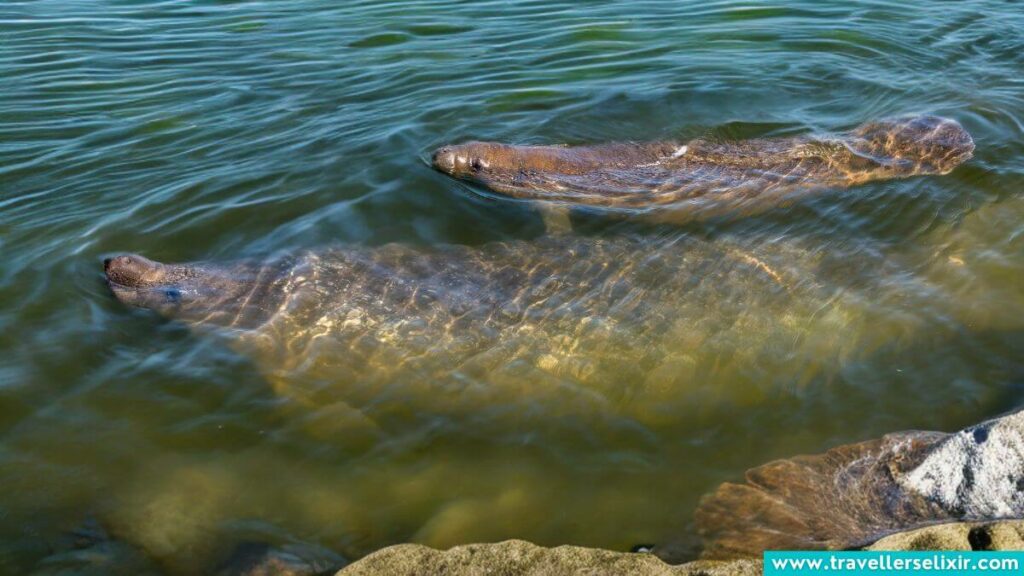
1000 535
257 549
89 550
174 512
101 559
519 558
855 494
260 559
977 473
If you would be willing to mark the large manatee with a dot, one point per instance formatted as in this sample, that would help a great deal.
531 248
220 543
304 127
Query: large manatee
852 495
632 325
676 181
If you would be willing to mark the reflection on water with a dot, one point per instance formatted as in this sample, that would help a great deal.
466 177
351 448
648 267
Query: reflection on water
220 131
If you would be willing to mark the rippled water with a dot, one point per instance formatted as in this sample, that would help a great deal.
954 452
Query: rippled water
217 130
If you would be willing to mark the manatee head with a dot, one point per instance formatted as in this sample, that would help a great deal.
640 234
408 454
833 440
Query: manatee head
914 145
505 168
486 161
523 170
235 295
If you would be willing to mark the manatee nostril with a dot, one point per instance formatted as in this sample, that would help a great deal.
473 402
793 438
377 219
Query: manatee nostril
106 263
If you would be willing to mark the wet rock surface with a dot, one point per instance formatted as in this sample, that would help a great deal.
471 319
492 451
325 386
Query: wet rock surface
854 494
1002 535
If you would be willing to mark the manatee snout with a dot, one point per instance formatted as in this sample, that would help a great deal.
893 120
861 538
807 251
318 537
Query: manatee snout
133 271
472 159
141 282
444 160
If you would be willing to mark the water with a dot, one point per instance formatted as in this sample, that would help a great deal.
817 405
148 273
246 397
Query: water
217 130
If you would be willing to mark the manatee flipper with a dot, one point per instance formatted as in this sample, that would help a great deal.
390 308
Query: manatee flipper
854 494
556 218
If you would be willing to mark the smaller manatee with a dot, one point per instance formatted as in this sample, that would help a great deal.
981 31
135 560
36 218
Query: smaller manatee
674 181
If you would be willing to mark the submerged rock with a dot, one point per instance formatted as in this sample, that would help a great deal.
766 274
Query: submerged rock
89 550
108 558
92 550
852 495
261 559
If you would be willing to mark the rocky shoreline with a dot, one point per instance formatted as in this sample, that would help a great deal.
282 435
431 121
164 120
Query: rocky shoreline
516 557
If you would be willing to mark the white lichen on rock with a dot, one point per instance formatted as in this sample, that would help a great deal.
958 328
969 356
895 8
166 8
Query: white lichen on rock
976 473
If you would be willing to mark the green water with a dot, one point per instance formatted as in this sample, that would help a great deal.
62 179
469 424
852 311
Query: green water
221 129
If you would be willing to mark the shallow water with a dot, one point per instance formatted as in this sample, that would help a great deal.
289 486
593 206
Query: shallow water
216 130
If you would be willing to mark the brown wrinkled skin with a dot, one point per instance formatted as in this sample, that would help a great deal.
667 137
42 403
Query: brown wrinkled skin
680 181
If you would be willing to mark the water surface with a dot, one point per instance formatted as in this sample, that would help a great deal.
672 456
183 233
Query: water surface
217 130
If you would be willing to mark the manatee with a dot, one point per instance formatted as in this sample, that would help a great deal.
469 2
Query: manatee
677 181
855 494
627 326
